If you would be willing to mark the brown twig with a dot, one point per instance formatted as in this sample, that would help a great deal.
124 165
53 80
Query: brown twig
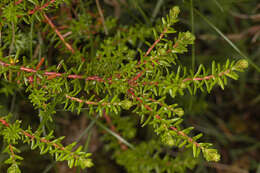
102 16
37 8
56 74
69 47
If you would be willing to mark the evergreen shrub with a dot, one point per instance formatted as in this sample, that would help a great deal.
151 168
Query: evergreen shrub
61 53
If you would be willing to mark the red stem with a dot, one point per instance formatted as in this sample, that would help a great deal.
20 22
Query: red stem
18 2
81 101
12 151
56 74
69 47
37 8
206 77
147 53
4 122
33 137
156 42
158 117
40 64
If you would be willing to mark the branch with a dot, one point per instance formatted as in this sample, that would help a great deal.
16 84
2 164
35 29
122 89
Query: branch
18 2
156 42
206 77
69 47
56 74
89 102
102 16
158 117
37 8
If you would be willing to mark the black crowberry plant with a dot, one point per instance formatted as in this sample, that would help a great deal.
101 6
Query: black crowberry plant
91 65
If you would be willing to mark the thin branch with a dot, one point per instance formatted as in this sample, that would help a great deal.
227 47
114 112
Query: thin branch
158 117
18 2
4 122
37 8
81 101
56 74
12 151
40 64
156 42
206 77
43 140
102 16
89 102
69 47
147 53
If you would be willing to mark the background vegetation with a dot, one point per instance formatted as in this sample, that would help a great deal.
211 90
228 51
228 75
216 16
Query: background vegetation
230 119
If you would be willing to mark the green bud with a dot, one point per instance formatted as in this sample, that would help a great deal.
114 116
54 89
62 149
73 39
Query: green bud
162 51
175 11
168 140
211 155
189 37
179 111
126 104
241 64
183 85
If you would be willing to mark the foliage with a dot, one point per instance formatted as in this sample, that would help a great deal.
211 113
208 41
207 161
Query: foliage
110 69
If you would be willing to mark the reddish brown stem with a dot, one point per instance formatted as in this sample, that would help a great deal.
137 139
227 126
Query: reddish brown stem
12 151
4 122
37 8
69 47
88 102
55 74
39 64
156 42
33 137
131 91
81 101
184 135
43 140
206 77
148 52
18 2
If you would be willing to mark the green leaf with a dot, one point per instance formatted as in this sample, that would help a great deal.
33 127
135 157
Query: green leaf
232 75
220 82
194 149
